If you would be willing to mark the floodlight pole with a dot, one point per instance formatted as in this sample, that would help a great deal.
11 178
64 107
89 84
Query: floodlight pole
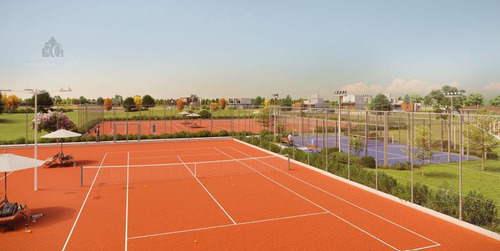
35 93
451 95
275 118
339 94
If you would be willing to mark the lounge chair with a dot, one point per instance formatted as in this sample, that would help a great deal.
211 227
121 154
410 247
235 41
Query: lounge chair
18 212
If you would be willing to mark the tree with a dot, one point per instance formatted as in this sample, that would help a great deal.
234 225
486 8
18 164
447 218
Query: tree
407 99
423 144
82 100
180 105
479 137
222 103
44 101
416 98
266 102
495 101
13 103
258 101
380 103
1 103
148 101
57 99
474 99
263 117
118 100
54 121
287 101
4 101
108 104
138 101
129 104
100 101
357 145
440 103
214 106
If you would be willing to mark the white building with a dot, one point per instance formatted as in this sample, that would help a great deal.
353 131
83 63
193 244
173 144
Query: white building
242 103
315 102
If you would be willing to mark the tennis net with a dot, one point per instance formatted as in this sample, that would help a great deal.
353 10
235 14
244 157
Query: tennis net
117 174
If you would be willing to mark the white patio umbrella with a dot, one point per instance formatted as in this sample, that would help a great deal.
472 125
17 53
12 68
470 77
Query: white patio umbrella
11 162
60 134
183 113
194 115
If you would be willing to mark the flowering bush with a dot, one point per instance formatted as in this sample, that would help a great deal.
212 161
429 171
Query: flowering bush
53 121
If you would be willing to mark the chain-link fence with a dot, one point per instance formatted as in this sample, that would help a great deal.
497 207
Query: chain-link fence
446 162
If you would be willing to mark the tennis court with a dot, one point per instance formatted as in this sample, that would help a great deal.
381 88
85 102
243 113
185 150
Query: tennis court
173 126
396 152
213 194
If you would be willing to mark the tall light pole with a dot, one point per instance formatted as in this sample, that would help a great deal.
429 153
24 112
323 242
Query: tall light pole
275 96
451 95
37 92
340 94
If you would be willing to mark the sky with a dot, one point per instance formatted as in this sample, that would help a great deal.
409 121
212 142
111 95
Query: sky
248 48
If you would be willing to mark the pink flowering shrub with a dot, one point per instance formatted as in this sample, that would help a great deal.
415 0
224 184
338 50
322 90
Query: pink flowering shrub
53 121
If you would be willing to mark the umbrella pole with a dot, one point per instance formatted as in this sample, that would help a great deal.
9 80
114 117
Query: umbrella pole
5 181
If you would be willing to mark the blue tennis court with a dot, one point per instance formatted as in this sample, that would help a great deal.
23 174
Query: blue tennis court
396 152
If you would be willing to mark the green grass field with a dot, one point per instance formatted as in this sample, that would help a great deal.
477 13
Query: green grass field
436 175
13 126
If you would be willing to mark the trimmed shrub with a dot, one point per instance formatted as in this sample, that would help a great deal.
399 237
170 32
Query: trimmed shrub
367 161
479 210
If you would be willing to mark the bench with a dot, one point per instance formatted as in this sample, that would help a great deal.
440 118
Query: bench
312 148
21 211
60 160
285 140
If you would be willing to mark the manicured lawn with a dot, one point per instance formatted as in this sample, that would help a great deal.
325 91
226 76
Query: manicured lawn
435 175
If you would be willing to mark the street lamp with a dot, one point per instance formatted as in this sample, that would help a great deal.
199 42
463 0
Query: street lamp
339 94
451 95
37 92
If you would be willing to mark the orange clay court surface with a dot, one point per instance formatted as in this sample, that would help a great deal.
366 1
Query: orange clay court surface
173 126
238 204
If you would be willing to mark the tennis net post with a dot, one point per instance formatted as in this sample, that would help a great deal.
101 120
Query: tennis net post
81 176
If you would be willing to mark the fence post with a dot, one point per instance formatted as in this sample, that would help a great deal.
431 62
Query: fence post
376 150
411 156
366 132
348 144
386 137
460 168
326 149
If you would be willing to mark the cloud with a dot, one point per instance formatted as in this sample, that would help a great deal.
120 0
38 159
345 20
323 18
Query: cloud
362 88
396 87
493 86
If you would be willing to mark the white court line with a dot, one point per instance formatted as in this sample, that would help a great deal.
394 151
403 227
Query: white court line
346 201
85 201
168 150
227 225
184 155
234 222
324 209
126 202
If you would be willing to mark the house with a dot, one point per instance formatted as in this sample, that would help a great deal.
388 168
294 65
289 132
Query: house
315 102
242 103
356 102
188 100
